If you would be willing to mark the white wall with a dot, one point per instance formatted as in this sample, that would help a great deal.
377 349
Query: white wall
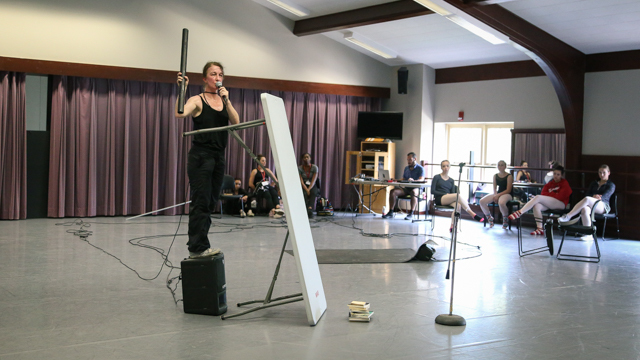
530 103
247 38
417 106
611 113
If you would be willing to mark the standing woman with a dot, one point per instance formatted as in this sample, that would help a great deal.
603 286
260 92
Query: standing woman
598 190
442 187
503 182
206 163
555 196
308 177
259 182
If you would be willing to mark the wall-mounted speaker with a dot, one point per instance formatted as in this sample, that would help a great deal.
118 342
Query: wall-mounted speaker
403 78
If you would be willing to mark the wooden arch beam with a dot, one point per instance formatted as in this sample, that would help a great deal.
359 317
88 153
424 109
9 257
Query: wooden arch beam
359 17
564 66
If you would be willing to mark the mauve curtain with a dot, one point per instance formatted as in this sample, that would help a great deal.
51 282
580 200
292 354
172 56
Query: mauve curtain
13 146
538 150
117 149
323 125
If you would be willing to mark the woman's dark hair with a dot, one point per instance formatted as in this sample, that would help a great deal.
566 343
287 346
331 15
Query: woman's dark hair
523 161
302 157
206 67
559 168
604 166
260 156
442 162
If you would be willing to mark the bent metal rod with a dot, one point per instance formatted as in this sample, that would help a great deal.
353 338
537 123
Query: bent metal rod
232 130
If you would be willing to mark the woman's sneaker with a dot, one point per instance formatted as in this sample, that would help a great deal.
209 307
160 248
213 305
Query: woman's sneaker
514 215
206 253
505 223
250 213
566 220
243 214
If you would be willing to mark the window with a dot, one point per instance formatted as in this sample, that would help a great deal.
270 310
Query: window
489 142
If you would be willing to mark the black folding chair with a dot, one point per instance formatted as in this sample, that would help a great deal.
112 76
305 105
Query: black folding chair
582 230
613 202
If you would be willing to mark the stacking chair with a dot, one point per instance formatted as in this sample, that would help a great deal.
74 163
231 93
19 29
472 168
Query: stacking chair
614 208
419 198
582 230
445 208
512 205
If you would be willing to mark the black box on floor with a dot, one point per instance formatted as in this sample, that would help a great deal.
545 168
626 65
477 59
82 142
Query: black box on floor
204 288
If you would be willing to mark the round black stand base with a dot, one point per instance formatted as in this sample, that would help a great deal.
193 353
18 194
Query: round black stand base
450 320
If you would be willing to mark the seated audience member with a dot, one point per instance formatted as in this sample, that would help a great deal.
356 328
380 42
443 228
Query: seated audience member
308 178
523 175
549 176
442 187
555 196
502 187
259 182
235 206
412 172
598 190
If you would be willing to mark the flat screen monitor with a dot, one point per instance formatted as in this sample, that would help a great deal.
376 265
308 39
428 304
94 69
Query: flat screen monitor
380 124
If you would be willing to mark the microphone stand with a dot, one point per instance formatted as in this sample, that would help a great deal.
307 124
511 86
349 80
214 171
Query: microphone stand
450 319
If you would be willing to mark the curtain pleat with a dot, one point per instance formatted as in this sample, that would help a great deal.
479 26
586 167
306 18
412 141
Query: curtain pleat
538 150
13 146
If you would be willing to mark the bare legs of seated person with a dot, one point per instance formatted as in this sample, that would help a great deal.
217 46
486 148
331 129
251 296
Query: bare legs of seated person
450 199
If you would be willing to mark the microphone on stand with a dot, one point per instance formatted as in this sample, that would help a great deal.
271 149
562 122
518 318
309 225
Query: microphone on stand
219 85
461 166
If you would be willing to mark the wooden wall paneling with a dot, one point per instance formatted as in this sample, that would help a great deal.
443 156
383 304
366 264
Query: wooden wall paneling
164 76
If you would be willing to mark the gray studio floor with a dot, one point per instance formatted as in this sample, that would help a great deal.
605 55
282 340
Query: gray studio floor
61 298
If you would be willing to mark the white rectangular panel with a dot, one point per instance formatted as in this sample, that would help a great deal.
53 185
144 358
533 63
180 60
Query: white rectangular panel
294 207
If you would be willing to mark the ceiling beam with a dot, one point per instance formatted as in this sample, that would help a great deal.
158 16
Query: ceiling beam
564 66
359 17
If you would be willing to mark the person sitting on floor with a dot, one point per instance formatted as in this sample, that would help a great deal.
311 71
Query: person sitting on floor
236 206
412 172
503 182
442 187
259 182
555 196
598 190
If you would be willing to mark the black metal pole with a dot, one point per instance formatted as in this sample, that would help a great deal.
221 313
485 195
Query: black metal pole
183 69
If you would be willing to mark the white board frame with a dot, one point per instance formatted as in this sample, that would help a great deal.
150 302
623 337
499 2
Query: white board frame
295 209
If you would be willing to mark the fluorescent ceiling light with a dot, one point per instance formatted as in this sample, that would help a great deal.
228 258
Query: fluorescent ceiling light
476 30
460 21
368 44
292 8
433 7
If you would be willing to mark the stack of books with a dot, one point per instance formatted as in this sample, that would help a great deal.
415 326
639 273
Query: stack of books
359 311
